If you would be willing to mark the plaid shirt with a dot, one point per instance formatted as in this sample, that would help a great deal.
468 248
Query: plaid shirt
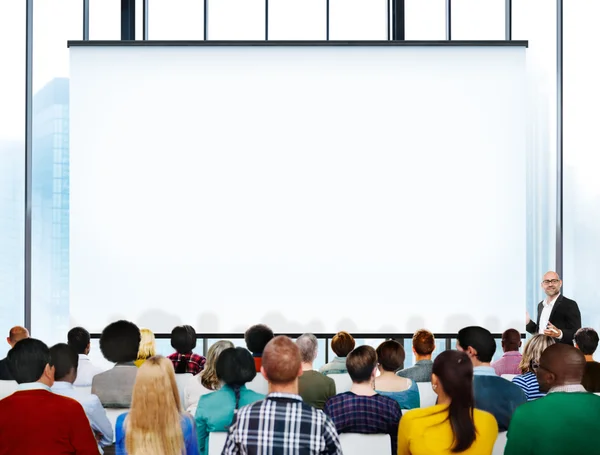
367 415
282 424
195 362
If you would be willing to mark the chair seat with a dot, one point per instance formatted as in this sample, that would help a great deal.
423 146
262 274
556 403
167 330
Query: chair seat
216 442
426 394
363 444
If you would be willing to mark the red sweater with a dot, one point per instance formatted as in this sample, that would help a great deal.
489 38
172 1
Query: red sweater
38 422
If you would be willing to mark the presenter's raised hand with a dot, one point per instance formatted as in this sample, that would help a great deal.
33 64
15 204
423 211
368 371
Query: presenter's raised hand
527 317
552 331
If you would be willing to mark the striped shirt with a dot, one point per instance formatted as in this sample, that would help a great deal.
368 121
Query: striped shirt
528 382
282 424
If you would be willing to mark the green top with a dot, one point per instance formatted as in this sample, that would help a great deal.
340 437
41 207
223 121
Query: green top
558 424
315 388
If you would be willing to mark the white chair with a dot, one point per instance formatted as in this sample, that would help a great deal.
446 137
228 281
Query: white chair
259 384
7 388
362 444
343 382
182 380
113 414
500 444
216 441
508 377
426 394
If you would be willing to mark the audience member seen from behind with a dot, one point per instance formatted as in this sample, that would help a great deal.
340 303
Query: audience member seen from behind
256 338
586 340
155 423
15 334
532 352
282 423
216 411
119 344
342 344
362 410
315 388
492 393
207 380
147 347
66 361
183 340
452 425
34 420
390 355
565 421
510 360
79 340
423 347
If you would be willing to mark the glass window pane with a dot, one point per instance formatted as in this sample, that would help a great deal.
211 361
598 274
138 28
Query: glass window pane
236 20
425 19
581 159
181 20
54 24
12 167
358 20
297 20
105 19
478 20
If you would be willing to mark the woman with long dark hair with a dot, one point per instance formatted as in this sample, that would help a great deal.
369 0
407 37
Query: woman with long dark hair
216 411
453 425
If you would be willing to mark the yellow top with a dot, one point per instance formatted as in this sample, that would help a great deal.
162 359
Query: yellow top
427 432
138 363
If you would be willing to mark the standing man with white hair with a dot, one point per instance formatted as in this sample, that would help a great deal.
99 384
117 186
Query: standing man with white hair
315 388
558 316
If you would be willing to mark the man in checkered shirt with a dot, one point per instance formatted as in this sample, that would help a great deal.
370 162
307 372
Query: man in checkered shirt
282 424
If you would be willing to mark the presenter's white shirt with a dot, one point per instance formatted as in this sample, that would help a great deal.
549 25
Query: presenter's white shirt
545 316
86 372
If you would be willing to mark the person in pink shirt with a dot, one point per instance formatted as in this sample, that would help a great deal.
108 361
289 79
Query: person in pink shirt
509 362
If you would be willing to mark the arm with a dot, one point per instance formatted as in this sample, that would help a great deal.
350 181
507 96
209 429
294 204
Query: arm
403 437
100 422
189 435
81 435
331 388
532 326
331 441
201 428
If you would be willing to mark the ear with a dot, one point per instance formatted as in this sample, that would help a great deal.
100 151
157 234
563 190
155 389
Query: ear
472 353
300 371
414 352
520 343
8 341
87 348
374 372
262 371
49 371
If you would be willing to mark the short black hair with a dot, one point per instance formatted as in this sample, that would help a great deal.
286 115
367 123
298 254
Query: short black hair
479 339
257 338
28 359
183 338
235 367
120 341
79 339
587 340
64 358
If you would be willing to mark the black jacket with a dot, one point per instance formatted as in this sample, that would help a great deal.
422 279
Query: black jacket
565 316
4 371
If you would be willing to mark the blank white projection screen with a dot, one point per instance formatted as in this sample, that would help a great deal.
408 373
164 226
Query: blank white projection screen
312 188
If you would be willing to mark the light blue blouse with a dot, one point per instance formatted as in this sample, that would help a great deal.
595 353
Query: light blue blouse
215 412
407 399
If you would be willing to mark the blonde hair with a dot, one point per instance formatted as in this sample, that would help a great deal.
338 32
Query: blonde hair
147 344
209 378
153 426
533 351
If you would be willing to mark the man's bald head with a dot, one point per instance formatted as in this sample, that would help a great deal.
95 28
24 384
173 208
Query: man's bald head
560 364
16 334
511 340
281 361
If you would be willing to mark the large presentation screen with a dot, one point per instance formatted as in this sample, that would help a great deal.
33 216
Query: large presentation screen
370 188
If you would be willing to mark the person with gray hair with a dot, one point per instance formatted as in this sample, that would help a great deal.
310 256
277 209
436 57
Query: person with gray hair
315 388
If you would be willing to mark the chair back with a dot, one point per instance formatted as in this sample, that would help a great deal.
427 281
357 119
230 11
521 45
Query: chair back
216 442
259 384
499 444
426 394
182 379
508 377
362 444
343 382
7 388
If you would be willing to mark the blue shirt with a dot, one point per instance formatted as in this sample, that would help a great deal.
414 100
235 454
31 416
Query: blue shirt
529 383
187 425
215 412
407 399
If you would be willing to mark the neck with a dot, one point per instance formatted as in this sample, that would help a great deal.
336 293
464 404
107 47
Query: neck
290 387
363 389
307 366
477 363
506 351
387 374
418 357
47 382
589 358
443 398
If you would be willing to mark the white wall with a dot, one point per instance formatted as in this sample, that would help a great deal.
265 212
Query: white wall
298 186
